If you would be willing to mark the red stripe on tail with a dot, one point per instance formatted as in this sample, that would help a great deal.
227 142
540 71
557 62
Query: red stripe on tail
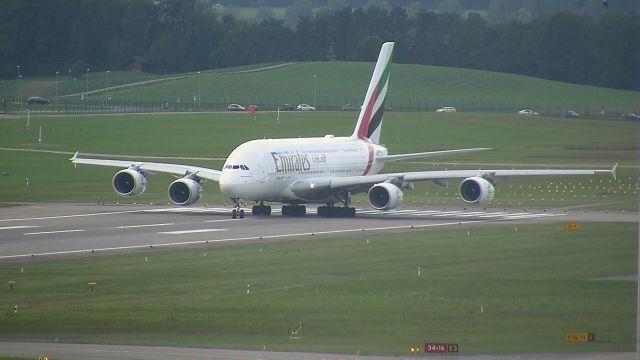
366 119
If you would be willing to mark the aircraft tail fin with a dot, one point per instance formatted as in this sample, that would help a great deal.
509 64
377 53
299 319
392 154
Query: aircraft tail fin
370 118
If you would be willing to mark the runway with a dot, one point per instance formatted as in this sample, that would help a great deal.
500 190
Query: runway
121 352
38 231
35 232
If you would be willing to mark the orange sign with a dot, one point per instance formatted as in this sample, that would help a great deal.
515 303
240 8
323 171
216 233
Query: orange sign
579 337
571 226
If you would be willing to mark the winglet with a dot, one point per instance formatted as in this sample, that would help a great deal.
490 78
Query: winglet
75 156
613 171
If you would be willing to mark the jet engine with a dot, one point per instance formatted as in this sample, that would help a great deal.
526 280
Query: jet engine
129 182
476 190
385 196
185 191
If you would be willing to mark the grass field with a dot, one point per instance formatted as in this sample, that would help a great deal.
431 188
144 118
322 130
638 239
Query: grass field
412 87
516 141
495 290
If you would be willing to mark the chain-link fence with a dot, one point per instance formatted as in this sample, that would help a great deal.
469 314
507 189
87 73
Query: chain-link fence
104 106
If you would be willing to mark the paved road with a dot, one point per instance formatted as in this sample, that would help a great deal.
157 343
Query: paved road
122 352
49 230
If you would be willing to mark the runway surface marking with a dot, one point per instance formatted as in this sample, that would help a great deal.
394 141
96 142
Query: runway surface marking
498 215
196 231
72 216
54 232
18 227
225 220
393 213
183 243
143 226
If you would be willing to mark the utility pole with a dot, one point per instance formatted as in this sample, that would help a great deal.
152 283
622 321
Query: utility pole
87 88
55 100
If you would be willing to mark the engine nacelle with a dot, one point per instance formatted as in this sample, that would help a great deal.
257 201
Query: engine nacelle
129 182
476 190
385 196
185 191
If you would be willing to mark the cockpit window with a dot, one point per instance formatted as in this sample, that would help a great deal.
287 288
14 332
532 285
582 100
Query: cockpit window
236 167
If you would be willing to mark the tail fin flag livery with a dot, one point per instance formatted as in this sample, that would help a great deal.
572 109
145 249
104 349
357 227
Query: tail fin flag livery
323 170
370 120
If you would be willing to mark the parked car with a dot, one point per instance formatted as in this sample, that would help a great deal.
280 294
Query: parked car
571 114
37 100
630 116
236 107
527 112
287 107
305 107
446 109
349 107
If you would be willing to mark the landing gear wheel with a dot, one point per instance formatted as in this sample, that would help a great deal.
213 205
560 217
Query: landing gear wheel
234 214
261 210
294 210
336 212
241 214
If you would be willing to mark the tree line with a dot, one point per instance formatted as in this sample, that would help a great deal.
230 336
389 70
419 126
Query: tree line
170 36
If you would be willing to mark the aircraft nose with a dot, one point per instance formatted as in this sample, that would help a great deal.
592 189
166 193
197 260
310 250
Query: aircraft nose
229 185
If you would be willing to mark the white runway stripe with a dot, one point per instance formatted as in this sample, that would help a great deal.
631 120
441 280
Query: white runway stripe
54 232
18 227
183 232
143 226
530 216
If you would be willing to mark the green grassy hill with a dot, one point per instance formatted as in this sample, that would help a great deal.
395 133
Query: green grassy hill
413 87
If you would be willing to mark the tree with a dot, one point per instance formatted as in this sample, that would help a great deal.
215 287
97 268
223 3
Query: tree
368 48
380 4
263 13
295 11
616 51
450 7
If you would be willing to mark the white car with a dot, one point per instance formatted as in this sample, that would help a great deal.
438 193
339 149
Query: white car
446 109
236 107
305 107
527 112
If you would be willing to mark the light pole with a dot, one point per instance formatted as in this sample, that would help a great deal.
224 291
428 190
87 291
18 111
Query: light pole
106 83
55 99
314 89
87 92
198 90
19 78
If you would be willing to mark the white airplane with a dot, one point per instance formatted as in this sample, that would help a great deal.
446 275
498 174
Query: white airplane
325 170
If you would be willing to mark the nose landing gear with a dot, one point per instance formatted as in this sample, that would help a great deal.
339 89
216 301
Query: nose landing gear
238 212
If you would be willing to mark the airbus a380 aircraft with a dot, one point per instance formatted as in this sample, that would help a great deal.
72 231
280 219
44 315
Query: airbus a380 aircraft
325 170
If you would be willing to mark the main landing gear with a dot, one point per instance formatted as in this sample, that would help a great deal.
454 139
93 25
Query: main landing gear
338 211
261 210
294 210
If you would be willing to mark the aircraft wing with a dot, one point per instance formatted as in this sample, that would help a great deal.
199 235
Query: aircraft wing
175 169
360 182
427 154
